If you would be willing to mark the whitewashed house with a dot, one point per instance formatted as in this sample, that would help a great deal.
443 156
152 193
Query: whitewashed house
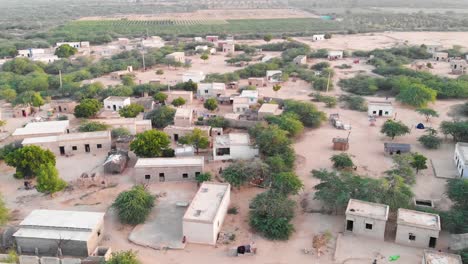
194 76
461 159
115 103
252 95
318 37
210 90
380 108
234 146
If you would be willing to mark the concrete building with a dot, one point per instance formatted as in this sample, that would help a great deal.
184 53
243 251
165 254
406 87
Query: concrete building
318 37
257 82
176 132
115 103
149 170
252 95
42 129
418 229
440 56
458 66
117 75
147 102
194 76
153 42
212 39
396 148
233 146
366 219
205 215
335 54
380 108
133 125
461 159
198 39
432 48
21 110
183 117
435 257
77 45
186 95
29 53
45 58
74 143
229 47
201 48
268 109
300 60
211 90
240 105
274 76
176 56
66 106
76 233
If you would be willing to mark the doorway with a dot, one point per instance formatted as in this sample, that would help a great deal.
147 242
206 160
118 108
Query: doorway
432 242
349 225
176 137
115 107
60 108
380 112
162 178
62 150
87 148
24 113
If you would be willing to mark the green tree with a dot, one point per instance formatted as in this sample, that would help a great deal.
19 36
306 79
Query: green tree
134 206
211 104
160 97
402 167
150 144
273 141
162 116
92 126
28 160
267 38
395 193
65 51
457 129
2 124
217 121
419 162
87 108
123 257
128 80
288 122
342 161
131 110
322 84
4 213
457 190
286 183
276 88
242 172
8 94
37 100
120 132
430 141
197 138
203 177
204 57
271 213
393 129
48 180
428 113
307 112
417 95
178 102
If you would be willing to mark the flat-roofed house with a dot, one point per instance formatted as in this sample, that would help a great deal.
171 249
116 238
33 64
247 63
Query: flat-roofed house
183 117
431 48
436 257
380 108
300 60
274 76
240 105
42 129
268 109
73 143
205 216
212 39
63 106
440 56
149 170
44 231
318 37
458 66
418 229
133 125
461 159
257 82
252 95
176 132
186 95
234 146
396 148
229 47
115 103
210 90
335 54
194 76
366 219
176 56
153 42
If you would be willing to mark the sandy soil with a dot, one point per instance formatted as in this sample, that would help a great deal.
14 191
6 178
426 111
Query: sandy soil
214 15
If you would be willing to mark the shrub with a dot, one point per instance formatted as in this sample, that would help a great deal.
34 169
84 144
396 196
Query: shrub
307 112
87 108
217 121
203 177
159 72
178 101
211 104
162 116
320 66
92 126
120 132
354 102
342 161
131 110
233 210
151 143
134 206
123 257
286 183
430 141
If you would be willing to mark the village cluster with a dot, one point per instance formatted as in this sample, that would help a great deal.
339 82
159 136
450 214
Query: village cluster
51 235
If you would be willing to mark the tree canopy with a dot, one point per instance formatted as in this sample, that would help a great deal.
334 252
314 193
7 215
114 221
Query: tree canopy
151 143
162 116
427 112
134 206
417 95
92 126
48 180
28 160
289 122
178 101
87 108
210 104
457 129
242 172
342 161
307 112
197 138
65 51
131 110
419 162
394 128
123 257
286 183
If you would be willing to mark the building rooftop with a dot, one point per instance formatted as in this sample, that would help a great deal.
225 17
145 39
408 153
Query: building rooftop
332 52
67 137
462 148
38 128
240 100
270 73
183 113
212 86
193 73
206 203
232 139
418 219
117 98
62 219
367 209
51 233
249 93
169 162
178 53
268 108
115 121
187 128
385 103
179 92
434 257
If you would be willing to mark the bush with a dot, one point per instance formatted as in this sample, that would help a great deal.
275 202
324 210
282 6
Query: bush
48 180
330 101
320 66
242 172
178 101
162 116
393 129
416 95
211 104
9 148
217 121
270 214
354 102
131 110
233 210
123 257
92 126
457 129
430 141
360 85
87 108
134 206
160 97
120 132
151 143
342 161
286 183
159 72
288 122
4 213
307 112
203 177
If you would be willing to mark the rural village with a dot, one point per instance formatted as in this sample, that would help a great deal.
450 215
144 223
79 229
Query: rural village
328 148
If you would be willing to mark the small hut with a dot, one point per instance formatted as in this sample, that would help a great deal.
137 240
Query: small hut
116 162
397 148
340 143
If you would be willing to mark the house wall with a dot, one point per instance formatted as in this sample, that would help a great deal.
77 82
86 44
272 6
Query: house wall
256 82
240 108
49 247
188 97
462 168
318 37
387 111
183 120
20 137
109 104
140 128
237 153
95 237
172 131
359 226
422 236
208 91
66 107
170 173
194 78
80 146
